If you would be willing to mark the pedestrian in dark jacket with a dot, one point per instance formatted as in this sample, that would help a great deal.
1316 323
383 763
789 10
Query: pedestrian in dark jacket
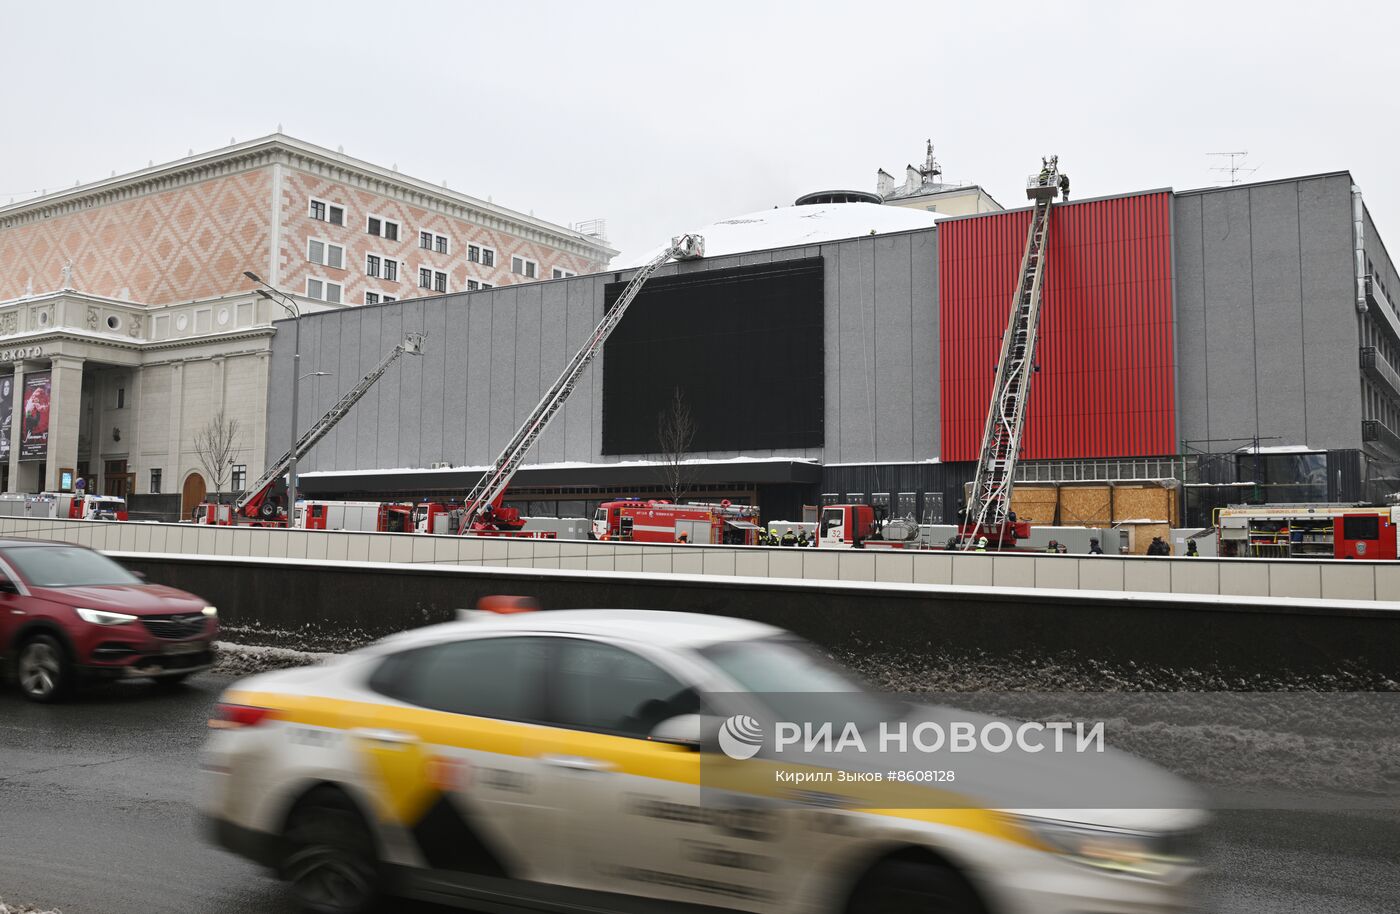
1158 547
1095 548
789 538
1191 551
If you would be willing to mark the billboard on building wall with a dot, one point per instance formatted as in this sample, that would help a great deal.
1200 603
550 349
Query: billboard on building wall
7 413
34 418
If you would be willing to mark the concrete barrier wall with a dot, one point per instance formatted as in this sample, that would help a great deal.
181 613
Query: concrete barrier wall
1291 578
334 604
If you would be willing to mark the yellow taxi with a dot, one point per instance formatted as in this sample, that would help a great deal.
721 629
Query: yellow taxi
562 761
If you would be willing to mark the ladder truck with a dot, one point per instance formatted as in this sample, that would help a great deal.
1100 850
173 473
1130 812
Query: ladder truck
257 506
482 512
989 512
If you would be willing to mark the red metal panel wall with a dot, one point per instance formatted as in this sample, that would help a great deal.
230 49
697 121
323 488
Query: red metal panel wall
1106 387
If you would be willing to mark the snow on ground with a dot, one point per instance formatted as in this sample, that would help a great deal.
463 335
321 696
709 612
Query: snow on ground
247 659
789 226
566 465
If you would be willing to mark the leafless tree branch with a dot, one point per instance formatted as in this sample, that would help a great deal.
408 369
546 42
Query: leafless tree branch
215 445
675 433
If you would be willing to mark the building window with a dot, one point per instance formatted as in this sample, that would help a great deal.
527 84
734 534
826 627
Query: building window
440 244
321 290
371 265
487 285
325 253
474 253
371 298
557 273
391 270
488 257
239 479
384 228
473 285
440 281
522 267
425 278
121 398
155 482
327 212
425 240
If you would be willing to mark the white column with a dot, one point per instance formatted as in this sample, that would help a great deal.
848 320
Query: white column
65 415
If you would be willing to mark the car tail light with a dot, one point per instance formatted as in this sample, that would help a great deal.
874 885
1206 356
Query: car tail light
234 717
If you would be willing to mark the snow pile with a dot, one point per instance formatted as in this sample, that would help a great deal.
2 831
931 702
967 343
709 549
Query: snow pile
22 909
789 226
247 659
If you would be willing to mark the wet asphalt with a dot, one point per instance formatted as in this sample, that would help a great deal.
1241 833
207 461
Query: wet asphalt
97 817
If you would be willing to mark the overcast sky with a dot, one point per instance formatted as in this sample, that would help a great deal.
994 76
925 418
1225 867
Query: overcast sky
660 117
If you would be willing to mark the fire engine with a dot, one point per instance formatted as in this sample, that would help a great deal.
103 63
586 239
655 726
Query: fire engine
634 520
81 506
1308 531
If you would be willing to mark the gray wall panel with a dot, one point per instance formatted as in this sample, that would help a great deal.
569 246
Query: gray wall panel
858 378
893 353
480 381
502 407
527 361
1229 315
553 315
432 413
1329 313
923 345
367 410
456 339
389 389
409 406
321 393
1278 313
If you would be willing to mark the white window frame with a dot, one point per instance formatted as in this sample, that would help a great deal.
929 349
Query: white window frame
418 280
383 268
326 245
383 221
446 282
563 273
523 261
421 233
368 293
488 285
379 265
340 300
495 258
327 204
446 244
472 284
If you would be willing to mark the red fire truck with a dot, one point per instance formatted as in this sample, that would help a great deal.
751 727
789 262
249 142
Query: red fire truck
1309 531
78 506
640 521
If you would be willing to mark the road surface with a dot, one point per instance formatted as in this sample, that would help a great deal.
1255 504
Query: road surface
96 817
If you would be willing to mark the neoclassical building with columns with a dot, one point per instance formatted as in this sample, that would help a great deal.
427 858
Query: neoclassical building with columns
127 323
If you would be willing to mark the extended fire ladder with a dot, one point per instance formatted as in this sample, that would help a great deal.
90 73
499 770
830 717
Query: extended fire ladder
494 481
989 511
256 494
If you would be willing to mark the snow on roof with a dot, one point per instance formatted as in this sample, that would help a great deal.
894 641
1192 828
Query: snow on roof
788 226
1278 449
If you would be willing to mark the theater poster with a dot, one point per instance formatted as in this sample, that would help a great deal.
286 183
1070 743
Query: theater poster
7 412
34 427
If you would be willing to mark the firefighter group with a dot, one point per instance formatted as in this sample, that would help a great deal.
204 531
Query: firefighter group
791 537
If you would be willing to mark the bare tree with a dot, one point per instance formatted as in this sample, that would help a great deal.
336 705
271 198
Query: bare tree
675 432
215 444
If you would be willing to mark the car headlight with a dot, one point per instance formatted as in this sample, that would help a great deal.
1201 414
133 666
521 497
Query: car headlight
210 610
103 617
1134 853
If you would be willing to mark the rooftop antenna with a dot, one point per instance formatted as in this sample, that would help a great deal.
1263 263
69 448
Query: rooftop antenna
931 167
1235 167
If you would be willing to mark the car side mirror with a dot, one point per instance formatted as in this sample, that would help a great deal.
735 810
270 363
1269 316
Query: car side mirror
8 586
682 730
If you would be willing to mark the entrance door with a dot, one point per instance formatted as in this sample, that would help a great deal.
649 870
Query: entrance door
193 495
115 479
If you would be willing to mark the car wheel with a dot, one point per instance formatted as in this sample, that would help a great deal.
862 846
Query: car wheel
913 887
43 669
331 863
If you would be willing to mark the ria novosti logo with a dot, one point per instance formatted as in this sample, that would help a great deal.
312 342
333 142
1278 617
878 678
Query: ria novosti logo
741 737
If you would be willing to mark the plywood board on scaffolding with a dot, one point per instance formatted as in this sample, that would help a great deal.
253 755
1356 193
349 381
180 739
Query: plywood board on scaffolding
1085 506
1035 503
1146 502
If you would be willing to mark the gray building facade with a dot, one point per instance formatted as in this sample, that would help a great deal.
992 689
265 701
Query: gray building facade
1285 336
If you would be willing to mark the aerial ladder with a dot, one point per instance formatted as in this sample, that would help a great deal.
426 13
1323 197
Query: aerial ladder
989 512
257 505
482 511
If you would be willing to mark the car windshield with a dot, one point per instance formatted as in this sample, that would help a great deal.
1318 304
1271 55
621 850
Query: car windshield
67 566
798 683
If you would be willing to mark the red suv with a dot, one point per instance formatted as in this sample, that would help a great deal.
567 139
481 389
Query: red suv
69 614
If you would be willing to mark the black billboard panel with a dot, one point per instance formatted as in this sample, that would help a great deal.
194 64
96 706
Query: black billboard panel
743 345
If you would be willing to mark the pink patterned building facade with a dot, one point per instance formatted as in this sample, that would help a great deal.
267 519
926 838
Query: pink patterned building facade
125 301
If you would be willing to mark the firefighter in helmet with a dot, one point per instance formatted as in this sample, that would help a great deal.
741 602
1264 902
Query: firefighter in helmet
789 537
802 537
981 544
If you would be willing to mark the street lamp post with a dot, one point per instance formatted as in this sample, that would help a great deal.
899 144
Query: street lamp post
290 306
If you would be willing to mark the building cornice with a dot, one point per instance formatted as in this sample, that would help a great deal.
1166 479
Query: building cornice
279 148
